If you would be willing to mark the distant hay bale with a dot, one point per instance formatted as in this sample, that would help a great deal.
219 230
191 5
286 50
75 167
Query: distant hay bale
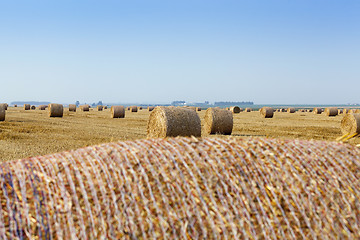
27 106
331 111
235 109
283 110
15 105
117 111
85 108
99 108
248 109
42 107
345 110
198 109
150 109
267 112
105 107
33 107
128 108
317 110
133 108
72 107
340 111
140 108
2 112
291 110
218 121
56 110
173 122
350 124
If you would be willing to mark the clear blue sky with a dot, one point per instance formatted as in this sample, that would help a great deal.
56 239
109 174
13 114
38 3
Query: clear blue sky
270 52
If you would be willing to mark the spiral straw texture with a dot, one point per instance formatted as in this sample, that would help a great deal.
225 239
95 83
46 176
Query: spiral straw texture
185 188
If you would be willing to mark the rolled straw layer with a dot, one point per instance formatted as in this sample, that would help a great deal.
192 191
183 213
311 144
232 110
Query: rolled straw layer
185 188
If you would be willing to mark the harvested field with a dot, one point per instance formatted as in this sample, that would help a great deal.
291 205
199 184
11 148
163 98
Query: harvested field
79 129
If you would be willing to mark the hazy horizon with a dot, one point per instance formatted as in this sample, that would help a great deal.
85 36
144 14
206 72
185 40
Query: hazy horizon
268 52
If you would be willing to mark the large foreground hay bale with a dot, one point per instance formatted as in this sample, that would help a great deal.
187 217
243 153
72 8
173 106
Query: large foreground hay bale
117 111
357 111
173 122
85 108
350 124
56 110
27 106
99 108
185 188
267 112
218 121
72 107
317 110
291 110
235 109
331 111
4 105
2 113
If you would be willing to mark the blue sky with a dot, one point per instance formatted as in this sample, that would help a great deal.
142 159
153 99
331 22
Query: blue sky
269 52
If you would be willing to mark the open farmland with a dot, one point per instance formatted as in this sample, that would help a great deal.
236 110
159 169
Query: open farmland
32 133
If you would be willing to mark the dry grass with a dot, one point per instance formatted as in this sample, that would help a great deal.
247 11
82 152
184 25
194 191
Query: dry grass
32 133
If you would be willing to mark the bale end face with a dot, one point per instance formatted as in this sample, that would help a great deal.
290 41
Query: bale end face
331 111
235 109
27 106
172 122
56 110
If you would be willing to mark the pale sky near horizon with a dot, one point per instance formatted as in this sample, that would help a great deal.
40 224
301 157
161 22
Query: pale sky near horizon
265 51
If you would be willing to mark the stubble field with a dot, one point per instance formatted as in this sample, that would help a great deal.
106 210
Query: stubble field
32 133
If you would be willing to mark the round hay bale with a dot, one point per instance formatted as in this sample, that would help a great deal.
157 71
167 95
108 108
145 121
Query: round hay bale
267 112
99 108
317 110
85 108
345 110
15 105
42 107
33 107
2 112
140 108
350 124
72 107
185 188
218 121
150 109
331 111
357 111
133 108
3 105
117 111
173 122
56 110
198 109
248 109
340 111
105 107
27 106
235 109
291 110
